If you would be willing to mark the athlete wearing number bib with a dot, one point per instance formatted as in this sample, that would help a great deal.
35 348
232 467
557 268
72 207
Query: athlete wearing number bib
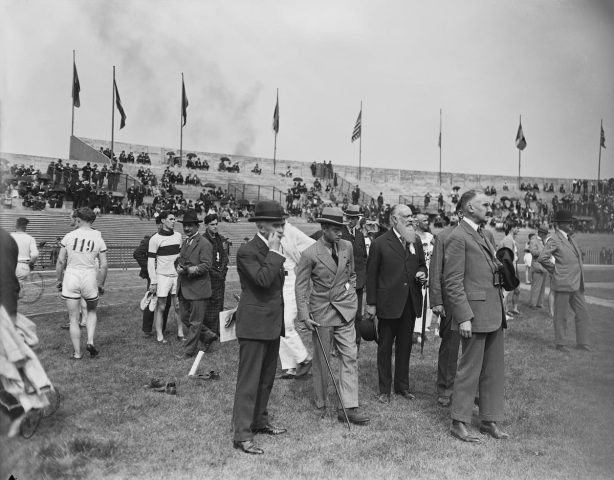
82 249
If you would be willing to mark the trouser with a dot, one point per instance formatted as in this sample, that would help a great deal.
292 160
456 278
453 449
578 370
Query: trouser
538 287
358 318
192 313
22 271
148 315
578 305
481 368
429 313
291 348
448 358
344 337
213 309
397 331
257 365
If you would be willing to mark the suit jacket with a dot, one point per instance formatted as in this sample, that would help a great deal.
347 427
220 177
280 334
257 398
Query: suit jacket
436 290
260 314
360 254
391 276
326 290
199 253
536 245
567 267
469 271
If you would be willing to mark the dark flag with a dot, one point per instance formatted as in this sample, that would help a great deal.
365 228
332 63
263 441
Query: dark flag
276 116
602 137
76 87
521 142
184 104
358 127
118 102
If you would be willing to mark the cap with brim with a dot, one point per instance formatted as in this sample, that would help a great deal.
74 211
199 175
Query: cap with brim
352 211
543 230
331 216
190 217
267 211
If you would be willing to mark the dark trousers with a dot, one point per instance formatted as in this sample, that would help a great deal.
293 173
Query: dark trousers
358 318
257 366
192 313
398 331
213 309
448 358
148 316
481 368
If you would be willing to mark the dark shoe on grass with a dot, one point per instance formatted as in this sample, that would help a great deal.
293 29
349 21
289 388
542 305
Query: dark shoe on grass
459 430
406 394
383 397
92 349
443 401
491 428
353 416
303 368
586 348
247 446
269 430
562 348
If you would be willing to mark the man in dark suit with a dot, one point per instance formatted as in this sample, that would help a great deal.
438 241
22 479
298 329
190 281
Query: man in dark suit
193 281
260 323
396 270
351 232
472 286
450 339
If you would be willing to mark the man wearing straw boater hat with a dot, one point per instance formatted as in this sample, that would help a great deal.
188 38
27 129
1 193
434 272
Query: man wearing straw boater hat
260 323
326 301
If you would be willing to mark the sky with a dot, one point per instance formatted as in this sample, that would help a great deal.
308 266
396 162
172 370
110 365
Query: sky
482 62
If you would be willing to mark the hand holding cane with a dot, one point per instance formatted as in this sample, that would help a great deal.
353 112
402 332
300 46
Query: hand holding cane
330 370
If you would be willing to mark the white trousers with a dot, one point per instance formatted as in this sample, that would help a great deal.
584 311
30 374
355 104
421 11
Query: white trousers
429 315
291 348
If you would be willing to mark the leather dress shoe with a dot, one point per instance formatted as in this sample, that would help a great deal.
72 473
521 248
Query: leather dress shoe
562 348
303 368
269 430
383 398
247 446
586 348
171 388
406 394
491 428
444 401
459 430
353 416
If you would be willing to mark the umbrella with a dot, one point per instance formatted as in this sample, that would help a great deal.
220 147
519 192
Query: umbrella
170 153
225 159
209 185
455 187
297 179
191 155
504 198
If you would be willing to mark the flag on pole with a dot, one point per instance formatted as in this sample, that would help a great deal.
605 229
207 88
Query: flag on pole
602 137
276 116
184 104
358 127
118 103
76 86
521 142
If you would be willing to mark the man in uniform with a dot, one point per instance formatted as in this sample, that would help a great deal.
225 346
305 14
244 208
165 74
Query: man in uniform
218 271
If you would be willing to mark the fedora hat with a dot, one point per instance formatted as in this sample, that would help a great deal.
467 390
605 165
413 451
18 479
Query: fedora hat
189 217
563 216
368 332
543 229
353 211
331 216
267 210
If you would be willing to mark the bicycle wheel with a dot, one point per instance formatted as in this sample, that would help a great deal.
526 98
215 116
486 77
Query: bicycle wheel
32 288
30 424
54 397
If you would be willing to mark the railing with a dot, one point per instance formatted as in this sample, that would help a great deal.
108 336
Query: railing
346 188
254 193
418 201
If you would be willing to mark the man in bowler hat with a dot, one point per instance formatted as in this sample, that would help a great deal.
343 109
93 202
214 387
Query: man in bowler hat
260 323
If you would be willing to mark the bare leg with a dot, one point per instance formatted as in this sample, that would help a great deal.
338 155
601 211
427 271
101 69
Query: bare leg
74 310
178 321
92 320
158 318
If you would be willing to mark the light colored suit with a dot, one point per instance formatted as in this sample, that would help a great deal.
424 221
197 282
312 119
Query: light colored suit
538 273
328 291
567 283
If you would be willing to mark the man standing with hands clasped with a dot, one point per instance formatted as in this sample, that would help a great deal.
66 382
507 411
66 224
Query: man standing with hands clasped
472 287
326 301
260 323
396 271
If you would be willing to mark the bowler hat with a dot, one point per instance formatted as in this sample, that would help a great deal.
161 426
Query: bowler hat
190 217
331 216
267 210
368 331
563 216
352 211
543 229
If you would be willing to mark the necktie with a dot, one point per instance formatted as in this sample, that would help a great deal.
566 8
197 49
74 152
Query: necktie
335 256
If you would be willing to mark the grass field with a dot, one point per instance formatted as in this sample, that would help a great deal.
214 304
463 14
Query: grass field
558 411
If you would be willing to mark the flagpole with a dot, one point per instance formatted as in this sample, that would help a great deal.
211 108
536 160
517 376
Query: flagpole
113 116
440 148
519 156
181 125
360 146
275 141
599 164
72 127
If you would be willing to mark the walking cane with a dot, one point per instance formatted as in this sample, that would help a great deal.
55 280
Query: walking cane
330 370
424 302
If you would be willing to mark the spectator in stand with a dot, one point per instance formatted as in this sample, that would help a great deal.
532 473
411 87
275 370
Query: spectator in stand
257 170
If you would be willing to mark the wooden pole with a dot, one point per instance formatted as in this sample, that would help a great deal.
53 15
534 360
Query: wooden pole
519 154
440 148
181 125
113 116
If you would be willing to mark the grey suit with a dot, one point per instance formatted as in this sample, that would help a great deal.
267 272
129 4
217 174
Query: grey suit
328 291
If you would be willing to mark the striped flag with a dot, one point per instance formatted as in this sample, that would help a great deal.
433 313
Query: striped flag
118 103
276 116
602 144
184 104
358 127
521 142
76 86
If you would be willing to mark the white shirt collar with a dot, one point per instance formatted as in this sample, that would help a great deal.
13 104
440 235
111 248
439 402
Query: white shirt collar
265 240
471 223
401 239
564 234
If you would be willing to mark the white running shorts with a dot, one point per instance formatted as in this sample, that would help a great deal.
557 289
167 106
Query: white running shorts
79 283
